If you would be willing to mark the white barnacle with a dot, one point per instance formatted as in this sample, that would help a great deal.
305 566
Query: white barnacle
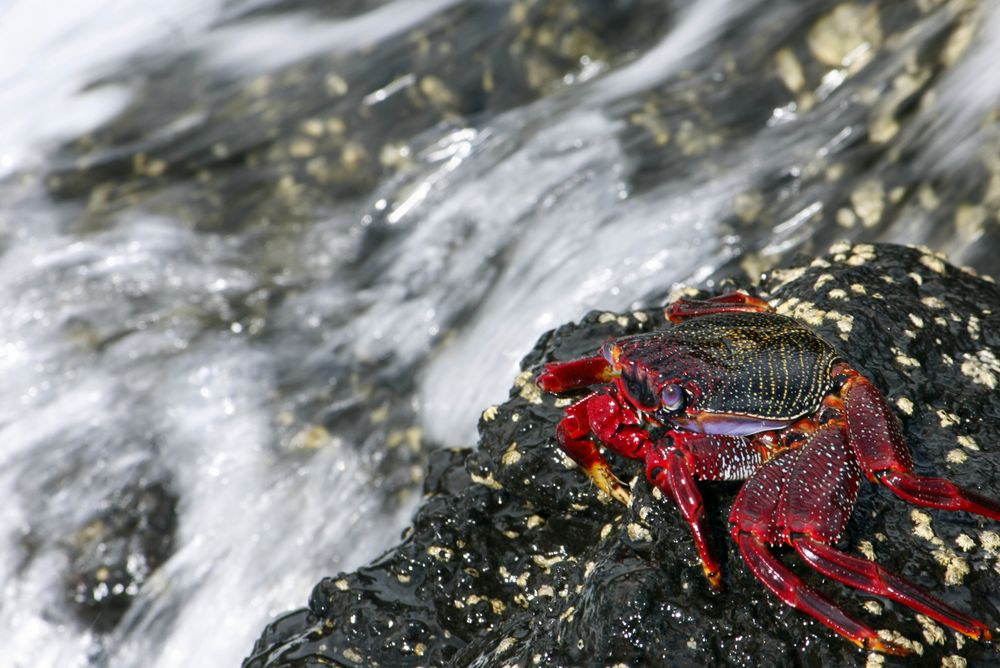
875 660
965 541
866 548
869 203
504 645
352 655
932 302
782 277
546 562
528 389
839 247
488 481
973 327
933 263
922 525
982 368
547 591
897 638
956 567
946 419
967 442
990 540
956 456
905 360
440 552
933 634
639 533
823 279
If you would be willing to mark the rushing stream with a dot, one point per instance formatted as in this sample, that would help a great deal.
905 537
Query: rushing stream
257 257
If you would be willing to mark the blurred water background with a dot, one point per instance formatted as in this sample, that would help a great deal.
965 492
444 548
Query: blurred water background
258 257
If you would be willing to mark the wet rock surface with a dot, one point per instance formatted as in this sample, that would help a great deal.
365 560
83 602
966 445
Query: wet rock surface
516 559
272 150
116 551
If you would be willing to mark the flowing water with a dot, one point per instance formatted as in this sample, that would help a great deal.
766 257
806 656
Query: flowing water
256 258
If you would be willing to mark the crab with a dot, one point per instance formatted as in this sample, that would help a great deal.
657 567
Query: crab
744 393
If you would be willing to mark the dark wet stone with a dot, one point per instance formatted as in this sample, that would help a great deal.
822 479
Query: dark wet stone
224 153
865 159
515 558
115 552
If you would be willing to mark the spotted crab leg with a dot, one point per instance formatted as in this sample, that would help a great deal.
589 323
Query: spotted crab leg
692 457
732 302
615 424
869 576
876 437
790 588
809 493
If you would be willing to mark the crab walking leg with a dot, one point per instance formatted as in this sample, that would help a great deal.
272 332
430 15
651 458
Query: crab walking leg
938 493
793 591
733 302
617 426
816 477
675 469
869 576
758 519
564 376
876 437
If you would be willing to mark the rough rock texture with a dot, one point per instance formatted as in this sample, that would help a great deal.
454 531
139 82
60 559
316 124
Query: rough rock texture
113 554
269 150
516 559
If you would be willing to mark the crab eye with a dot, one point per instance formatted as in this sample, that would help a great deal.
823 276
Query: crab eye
672 397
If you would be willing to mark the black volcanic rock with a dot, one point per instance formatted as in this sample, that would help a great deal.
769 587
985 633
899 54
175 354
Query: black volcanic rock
116 551
516 559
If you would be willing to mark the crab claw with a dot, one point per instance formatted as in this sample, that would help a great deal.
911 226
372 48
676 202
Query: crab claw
610 484
565 376
572 435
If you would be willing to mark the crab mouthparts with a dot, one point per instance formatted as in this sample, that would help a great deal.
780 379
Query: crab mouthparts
649 417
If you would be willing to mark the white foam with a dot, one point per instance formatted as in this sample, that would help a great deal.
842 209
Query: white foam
269 42
51 52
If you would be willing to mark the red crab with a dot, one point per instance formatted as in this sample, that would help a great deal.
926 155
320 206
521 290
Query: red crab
748 394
